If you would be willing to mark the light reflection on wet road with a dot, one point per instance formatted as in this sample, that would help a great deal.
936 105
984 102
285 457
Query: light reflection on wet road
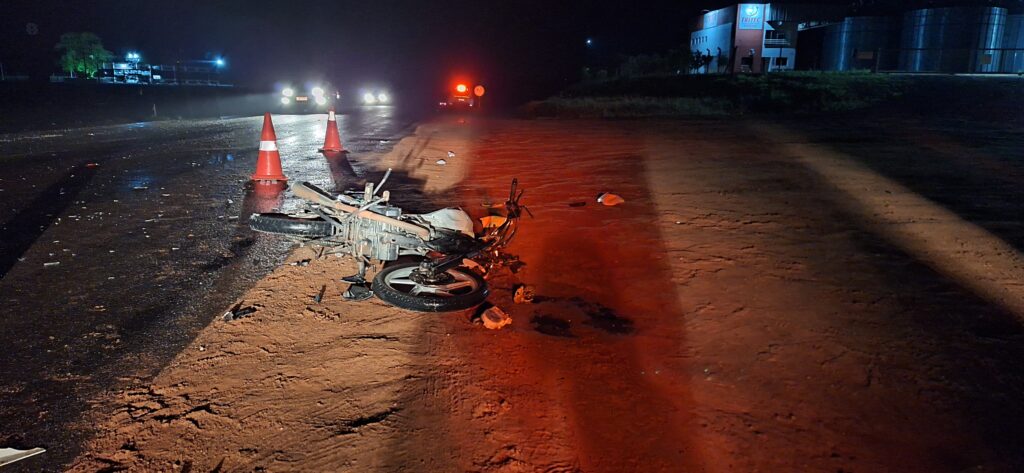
118 243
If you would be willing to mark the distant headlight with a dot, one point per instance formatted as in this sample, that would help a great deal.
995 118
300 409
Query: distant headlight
321 100
369 99
285 100
287 92
382 97
317 91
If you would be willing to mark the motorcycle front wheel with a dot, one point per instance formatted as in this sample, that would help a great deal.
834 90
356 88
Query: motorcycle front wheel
397 285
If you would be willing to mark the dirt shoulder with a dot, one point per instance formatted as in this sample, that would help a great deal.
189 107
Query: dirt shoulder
737 313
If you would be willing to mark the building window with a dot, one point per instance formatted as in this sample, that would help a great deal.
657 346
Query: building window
775 38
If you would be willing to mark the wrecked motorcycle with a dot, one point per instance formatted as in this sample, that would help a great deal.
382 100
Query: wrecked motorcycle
441 244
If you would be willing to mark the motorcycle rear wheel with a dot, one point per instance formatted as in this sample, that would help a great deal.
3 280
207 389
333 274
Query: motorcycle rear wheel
281 224
395 286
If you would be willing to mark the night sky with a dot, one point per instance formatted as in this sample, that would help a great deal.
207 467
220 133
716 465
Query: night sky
519 49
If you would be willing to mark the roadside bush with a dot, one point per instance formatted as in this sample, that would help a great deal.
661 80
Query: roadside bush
787 93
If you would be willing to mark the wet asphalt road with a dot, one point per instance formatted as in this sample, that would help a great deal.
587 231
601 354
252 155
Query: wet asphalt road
119 243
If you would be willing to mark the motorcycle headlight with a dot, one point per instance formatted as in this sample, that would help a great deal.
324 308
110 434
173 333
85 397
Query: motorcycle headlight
369 99
285 100
287 92
382 97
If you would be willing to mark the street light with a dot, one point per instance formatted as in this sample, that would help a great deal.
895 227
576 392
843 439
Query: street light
590 41
219 62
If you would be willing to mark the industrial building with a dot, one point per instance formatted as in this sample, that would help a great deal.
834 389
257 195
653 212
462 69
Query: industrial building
913 37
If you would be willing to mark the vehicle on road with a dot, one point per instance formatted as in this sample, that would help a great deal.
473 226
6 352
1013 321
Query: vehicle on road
425 258
375 97
312 98
460 97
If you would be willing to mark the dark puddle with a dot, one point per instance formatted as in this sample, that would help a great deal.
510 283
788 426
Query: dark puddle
599 316
549 325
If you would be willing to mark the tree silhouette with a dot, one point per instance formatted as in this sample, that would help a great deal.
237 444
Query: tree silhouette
83 53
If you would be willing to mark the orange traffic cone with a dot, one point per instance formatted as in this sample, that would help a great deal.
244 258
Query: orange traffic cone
332 143
268 163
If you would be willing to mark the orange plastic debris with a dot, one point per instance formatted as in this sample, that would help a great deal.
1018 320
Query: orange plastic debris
492 221
610 199
523 295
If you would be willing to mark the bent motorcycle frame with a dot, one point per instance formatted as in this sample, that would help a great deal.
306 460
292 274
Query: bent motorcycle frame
304 191
495 239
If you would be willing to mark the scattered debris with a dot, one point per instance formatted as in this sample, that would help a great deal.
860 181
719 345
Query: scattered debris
51 263
577 204
320 296
140 188
495 318
609 199
442 162
304 262
451 154
524 295
357 292
11 455
238 312
92 165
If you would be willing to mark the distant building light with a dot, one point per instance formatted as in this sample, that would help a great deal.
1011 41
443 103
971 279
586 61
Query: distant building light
219 62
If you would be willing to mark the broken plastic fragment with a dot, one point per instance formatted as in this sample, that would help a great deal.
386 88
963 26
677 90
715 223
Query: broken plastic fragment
524 295
11 455
610 199
442 162
495 318
492 221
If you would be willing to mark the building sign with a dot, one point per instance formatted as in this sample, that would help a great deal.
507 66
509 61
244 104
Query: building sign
751 16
